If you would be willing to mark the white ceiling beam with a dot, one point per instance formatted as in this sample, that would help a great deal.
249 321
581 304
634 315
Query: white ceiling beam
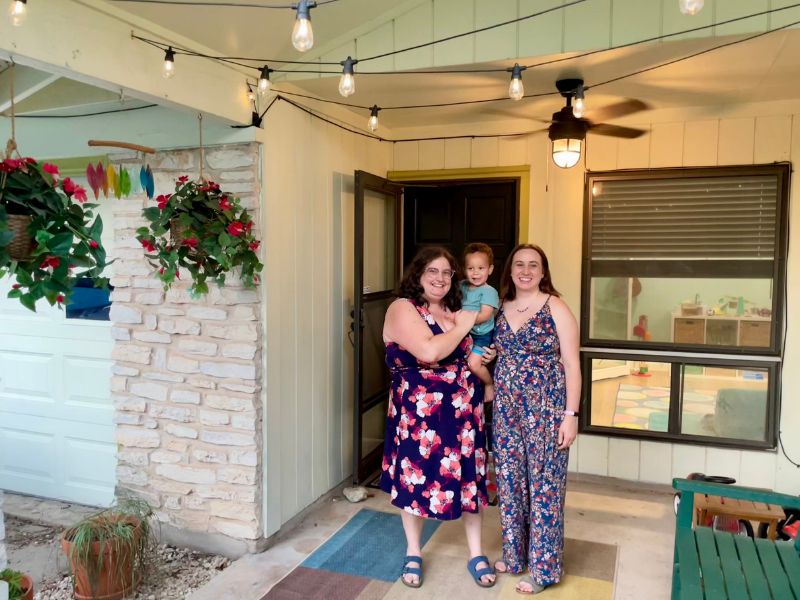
90 41
26 83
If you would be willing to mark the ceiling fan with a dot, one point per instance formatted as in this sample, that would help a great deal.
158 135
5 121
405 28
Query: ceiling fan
568 131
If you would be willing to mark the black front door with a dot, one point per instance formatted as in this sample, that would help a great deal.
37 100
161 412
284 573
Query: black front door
454 215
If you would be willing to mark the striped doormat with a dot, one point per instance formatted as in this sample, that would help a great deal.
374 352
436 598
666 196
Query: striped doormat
363 561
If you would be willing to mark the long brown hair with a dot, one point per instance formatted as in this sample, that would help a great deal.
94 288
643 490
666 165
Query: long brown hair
411 288
507 287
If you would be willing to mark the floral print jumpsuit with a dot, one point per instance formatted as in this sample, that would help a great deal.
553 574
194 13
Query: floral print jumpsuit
531 470
434 457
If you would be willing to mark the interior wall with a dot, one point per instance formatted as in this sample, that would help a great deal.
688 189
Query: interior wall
746 135
308 278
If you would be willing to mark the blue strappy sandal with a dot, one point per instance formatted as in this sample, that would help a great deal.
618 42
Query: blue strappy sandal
472 567
412 571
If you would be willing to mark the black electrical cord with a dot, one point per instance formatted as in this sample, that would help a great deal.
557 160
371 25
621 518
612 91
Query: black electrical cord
225 4
92 114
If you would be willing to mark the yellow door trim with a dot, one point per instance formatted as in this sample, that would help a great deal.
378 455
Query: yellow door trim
519 172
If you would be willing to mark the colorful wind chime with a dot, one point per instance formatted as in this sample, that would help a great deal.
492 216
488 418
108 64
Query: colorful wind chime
120 183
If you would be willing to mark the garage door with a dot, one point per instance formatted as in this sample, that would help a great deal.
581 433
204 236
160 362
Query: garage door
56 414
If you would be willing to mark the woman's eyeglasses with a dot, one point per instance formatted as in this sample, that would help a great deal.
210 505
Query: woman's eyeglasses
434 272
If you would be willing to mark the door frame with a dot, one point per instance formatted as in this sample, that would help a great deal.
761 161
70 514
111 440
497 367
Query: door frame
522 173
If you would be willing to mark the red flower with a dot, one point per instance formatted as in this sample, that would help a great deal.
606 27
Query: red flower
28 160
73 189
190 242
183 179
162 201
148 245
52 169
60 299
10 164
50 261
161 271
225 204
255 279
248 226
16 286
254 245
93 244
236 228
209 187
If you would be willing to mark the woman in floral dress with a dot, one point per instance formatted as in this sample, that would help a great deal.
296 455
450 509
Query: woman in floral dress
538 386
434 460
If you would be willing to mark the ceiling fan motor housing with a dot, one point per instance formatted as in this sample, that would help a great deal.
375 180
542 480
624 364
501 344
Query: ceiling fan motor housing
566 126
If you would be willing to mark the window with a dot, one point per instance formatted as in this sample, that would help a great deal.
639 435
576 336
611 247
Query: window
684 289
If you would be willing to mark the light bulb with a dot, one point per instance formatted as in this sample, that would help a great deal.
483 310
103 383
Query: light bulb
169 63
302 33
690 7
578 108
373 117
347 82
250 95
263 80
18 11
516 91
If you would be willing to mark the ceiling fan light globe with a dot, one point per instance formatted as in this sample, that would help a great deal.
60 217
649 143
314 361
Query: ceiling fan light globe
18 11
566 152
516 90
690 7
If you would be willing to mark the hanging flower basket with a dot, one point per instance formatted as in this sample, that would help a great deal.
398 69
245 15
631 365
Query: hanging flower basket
204 230
49 236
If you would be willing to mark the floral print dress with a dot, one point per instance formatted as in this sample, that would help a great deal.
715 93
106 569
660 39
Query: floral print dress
529 406
434 456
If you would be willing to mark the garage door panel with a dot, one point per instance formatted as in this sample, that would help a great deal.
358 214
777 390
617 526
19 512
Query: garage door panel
29 452
87 462
25 375
86 390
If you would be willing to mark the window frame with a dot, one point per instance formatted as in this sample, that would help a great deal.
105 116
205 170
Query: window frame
767 358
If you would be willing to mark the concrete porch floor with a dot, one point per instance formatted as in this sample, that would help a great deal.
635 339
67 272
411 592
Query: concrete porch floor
638 518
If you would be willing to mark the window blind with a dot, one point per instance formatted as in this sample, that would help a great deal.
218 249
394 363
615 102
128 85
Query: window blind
685 218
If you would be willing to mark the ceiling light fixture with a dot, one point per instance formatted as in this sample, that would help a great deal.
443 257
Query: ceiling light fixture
302 33
690 7
169 63
18 11
516 91
373 117
347 82
263 80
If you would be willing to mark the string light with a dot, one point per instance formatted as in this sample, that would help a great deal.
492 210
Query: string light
169 63
302 33
373 117
516 91
18 11
690 7
347 82
580 105
250 95
263 80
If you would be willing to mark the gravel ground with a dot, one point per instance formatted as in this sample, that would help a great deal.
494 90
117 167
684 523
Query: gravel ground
177 571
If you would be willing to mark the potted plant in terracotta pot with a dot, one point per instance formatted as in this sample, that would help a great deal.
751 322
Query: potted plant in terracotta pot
110 552
201 229
20 586
49 236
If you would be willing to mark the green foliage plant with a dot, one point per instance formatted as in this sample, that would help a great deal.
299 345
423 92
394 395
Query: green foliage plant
121 538
15 583
203 230
66 232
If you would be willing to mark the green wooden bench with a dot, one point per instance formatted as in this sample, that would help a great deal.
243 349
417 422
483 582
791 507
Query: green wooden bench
720 566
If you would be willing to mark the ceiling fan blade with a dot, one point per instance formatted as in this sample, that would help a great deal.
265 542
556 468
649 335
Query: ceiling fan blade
616 130
615 111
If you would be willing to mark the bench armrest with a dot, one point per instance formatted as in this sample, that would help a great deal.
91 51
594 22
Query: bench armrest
735 491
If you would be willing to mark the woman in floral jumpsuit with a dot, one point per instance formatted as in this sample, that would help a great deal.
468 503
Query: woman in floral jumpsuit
538 384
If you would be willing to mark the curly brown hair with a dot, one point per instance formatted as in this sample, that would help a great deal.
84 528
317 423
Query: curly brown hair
479 247
507 287
411 288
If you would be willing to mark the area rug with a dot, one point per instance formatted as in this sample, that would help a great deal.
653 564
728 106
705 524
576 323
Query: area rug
640 407
363 561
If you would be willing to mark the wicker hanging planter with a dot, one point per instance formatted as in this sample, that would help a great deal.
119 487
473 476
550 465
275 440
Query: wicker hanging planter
21 244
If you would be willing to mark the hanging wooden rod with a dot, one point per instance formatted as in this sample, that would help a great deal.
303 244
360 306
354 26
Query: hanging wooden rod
126 145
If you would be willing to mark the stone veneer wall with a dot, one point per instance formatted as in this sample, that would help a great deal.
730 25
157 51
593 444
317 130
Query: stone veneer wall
187 374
